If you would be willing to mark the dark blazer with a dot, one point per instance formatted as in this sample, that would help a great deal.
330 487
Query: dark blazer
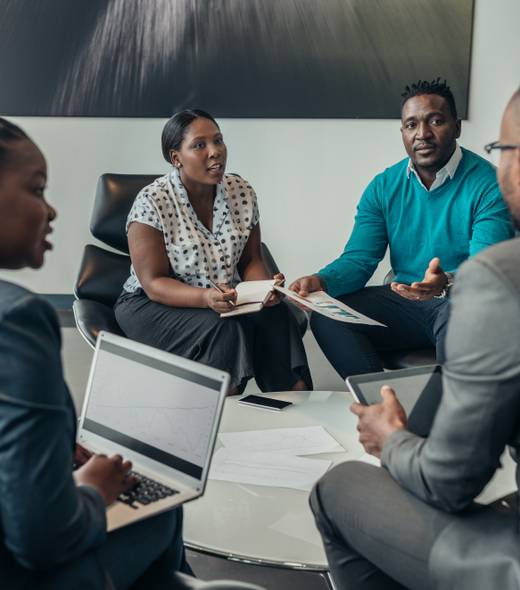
49 527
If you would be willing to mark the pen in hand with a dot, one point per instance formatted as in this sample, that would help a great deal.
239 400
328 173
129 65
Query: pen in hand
215 286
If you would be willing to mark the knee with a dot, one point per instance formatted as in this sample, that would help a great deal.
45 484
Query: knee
342 489
326 330
319 324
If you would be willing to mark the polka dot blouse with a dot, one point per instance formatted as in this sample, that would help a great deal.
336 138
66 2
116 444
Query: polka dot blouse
197 254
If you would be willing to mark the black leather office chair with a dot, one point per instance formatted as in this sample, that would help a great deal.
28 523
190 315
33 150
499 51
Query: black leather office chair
404 359
103 272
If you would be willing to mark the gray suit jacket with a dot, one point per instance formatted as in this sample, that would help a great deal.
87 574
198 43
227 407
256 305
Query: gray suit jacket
478 416
49 527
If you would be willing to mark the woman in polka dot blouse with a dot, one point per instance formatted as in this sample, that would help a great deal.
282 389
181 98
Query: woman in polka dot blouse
192 228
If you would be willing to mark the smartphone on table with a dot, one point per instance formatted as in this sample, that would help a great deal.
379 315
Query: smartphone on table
266 403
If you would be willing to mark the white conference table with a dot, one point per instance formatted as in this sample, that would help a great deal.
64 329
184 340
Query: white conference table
267 525
274 526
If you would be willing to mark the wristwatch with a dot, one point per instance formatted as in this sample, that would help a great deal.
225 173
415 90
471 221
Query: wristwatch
447 286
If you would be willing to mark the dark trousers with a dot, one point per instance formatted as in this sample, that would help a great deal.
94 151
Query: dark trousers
353 349
266 345
142 555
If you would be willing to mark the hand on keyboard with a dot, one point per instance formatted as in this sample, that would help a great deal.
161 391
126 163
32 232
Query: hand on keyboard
110 476
145 491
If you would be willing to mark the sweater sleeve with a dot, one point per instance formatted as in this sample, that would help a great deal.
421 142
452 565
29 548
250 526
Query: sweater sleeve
491 221
46 519
364 250
479 411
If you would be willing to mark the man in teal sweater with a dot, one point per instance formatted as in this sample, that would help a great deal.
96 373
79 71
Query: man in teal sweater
433 209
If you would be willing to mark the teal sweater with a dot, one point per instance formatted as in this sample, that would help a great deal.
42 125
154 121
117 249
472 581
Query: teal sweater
455 221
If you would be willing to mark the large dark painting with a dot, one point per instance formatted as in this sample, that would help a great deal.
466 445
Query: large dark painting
235 58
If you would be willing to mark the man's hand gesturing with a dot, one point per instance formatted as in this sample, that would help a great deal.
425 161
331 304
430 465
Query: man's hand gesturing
433 284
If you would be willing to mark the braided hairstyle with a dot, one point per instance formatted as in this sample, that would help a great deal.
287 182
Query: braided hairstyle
9 132
434 87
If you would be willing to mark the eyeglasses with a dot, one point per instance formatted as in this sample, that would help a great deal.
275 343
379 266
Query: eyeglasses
496 145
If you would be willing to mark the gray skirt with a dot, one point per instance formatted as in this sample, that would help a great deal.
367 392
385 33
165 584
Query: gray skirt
266 345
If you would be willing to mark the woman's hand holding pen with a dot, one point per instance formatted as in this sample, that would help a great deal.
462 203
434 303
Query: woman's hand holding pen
220 298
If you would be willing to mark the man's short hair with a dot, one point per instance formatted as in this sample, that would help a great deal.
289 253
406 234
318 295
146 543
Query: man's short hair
434 87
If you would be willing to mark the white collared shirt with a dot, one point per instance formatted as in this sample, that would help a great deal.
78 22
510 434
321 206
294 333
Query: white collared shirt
197 255
447 171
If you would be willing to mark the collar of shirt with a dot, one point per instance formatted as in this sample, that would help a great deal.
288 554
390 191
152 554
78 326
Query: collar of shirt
220 204
447 171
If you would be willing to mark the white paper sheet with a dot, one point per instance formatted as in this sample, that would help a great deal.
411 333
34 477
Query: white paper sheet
307 440
267 469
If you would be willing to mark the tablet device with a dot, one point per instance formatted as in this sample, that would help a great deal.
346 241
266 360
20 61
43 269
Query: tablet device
419 390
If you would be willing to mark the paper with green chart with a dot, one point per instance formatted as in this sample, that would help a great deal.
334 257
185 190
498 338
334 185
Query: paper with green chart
321 302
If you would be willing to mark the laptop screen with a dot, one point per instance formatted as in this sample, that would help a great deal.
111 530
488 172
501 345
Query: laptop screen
155 408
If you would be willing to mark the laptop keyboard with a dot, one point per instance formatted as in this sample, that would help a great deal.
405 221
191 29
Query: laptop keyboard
145 492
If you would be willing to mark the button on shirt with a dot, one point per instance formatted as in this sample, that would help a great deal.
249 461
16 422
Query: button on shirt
196 254
447 171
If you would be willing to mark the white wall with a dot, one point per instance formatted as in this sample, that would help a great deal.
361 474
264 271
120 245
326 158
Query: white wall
308 174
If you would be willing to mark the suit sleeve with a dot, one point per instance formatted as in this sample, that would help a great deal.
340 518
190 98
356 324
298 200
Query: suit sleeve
364 250
479 412
46 518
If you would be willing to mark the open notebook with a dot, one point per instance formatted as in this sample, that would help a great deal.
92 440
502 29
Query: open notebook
251 297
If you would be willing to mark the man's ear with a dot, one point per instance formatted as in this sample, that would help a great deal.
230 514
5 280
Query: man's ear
458 128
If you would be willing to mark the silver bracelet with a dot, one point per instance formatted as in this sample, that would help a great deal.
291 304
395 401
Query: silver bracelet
444 293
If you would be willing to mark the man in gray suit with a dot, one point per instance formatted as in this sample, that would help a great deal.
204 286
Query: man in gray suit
413 524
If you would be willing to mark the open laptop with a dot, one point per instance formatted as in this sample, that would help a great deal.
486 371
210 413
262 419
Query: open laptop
158 410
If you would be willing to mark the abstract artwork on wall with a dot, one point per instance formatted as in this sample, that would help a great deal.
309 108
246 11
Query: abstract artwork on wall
235 58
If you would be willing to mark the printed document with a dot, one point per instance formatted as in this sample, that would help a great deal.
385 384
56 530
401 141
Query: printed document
321 302
267 469
307 440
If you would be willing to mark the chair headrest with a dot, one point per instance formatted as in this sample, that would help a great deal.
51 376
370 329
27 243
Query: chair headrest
115 194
